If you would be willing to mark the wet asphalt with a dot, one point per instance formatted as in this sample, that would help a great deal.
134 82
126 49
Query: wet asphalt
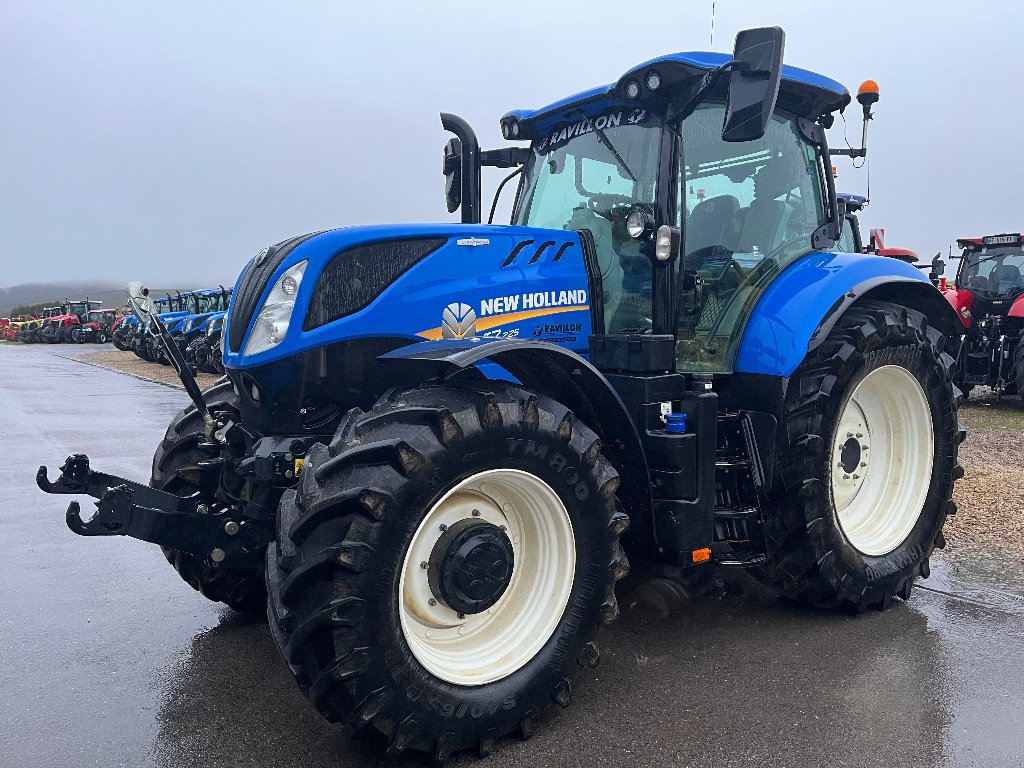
108 659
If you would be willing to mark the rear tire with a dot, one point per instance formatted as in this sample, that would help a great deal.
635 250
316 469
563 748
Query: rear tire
1018 365
863 487
353 612
175 470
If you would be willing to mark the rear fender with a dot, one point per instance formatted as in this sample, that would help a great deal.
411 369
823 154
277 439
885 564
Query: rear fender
798 310
1017 309
559 373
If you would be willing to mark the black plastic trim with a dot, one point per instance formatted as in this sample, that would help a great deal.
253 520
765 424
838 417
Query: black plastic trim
540 251
561 251
515 252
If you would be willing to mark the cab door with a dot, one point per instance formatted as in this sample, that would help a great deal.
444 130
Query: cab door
749 209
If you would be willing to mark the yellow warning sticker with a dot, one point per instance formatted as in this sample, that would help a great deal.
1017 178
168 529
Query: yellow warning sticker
298 466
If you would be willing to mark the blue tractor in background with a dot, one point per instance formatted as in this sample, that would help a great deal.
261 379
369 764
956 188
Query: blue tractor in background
170 310
439 447
200 305
205 351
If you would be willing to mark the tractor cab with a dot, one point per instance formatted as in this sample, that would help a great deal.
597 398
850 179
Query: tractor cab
690 204
989 299
81 309
992 269
98 328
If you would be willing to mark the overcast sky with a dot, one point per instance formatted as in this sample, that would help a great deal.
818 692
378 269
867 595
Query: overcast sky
170 141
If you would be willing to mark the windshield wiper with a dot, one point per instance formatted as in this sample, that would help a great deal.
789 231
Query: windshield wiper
603 138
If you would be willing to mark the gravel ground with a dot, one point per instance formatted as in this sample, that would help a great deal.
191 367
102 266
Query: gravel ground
990 497
128 362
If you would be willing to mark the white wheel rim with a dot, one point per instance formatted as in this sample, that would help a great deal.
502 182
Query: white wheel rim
484 647
881 460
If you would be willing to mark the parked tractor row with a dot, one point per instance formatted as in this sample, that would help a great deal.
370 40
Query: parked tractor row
438 448
71 322
193 320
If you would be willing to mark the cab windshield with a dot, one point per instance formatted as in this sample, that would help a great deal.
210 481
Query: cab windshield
994 271
588 172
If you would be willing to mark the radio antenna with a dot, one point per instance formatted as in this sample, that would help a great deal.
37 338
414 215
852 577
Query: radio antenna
713 25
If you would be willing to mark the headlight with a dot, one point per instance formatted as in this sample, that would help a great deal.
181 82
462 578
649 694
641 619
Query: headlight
187 326
276 313
214 326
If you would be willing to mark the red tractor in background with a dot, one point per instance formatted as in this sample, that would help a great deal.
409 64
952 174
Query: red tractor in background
58 328
988 296
876 245
98 327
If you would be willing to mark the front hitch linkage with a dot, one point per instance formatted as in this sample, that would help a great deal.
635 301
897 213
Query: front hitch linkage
126 508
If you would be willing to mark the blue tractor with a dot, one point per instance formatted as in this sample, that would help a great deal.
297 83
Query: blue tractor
170 310
205 352
200 306
439 447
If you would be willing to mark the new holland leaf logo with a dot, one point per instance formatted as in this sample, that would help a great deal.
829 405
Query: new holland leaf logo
458 321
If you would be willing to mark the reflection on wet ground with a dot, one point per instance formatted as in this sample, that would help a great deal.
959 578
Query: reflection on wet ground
108 659
739 680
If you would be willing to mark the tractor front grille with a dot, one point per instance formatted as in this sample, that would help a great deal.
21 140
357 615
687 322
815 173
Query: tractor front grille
356 276
250 287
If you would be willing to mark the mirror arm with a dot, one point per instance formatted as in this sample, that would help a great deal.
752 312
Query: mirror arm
506 157
470 165
709 81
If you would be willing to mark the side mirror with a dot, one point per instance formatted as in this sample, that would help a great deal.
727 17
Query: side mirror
753 83
465 177
452 170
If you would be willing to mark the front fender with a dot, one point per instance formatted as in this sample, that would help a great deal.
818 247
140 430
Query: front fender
559 373
799 308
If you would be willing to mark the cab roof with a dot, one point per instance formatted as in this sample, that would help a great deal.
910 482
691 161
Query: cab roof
971 243
802 92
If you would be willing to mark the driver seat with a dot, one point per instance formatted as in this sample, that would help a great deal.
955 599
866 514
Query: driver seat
711 222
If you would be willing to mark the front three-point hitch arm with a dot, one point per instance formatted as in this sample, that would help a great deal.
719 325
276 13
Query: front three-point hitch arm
185 523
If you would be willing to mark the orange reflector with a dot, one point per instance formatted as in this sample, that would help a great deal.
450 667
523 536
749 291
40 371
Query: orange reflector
868 86
700 555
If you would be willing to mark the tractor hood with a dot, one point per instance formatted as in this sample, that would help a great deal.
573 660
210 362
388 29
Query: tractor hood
197 322
409 283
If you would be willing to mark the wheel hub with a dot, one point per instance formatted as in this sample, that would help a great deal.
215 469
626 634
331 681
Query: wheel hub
849 455
471 566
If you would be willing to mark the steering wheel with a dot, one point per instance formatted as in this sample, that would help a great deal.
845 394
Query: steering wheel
603 204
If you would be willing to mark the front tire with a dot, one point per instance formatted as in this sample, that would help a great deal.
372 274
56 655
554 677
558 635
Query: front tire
864 483
443 566
175 469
